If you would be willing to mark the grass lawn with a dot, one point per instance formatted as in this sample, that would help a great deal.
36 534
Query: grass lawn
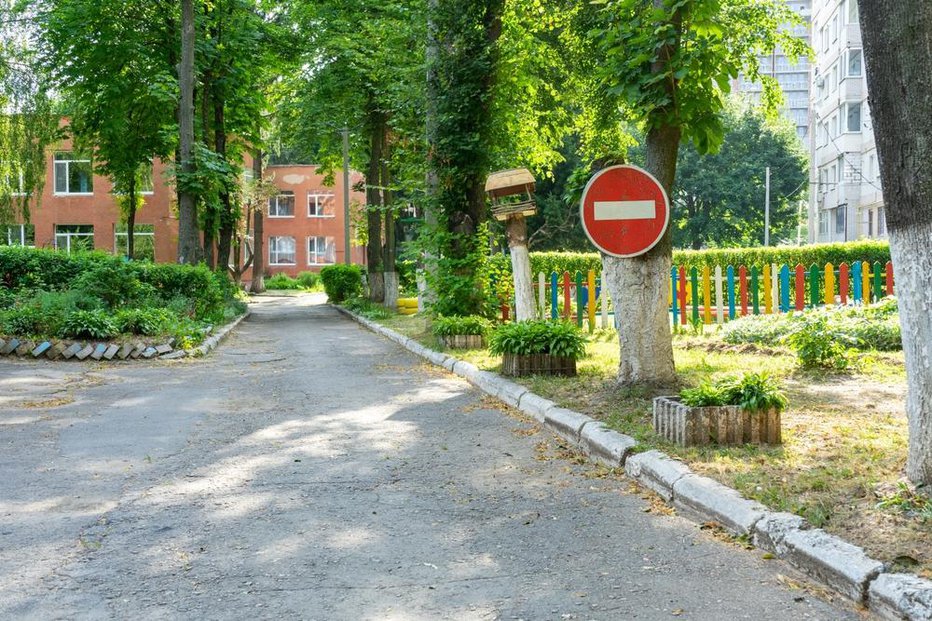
844 452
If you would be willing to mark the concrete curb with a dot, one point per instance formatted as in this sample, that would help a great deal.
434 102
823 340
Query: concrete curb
211 342
843 567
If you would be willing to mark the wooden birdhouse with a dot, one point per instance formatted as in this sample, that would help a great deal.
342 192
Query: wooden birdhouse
511 193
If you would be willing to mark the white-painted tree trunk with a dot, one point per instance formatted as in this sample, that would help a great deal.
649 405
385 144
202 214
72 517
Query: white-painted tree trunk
638 288
912 267
521 269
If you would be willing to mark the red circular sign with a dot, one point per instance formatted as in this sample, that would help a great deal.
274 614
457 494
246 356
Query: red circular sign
624 211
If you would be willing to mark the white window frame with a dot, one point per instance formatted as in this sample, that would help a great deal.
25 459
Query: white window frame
67 166
852 4
315 253
315 204
69 235
848 73
137 233
841 218
845 111
275 253
19 240
281 193
823 222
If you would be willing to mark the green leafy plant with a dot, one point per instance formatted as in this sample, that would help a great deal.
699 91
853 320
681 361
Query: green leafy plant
341 282
454 326
309 280
752 391
819 345
282 281
367 308
556 338
95 324
147 321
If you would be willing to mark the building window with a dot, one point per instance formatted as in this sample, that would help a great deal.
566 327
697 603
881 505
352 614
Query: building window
870 222
881 222
321 251
143 241
853 118
282 206
320 205
17 235
823 223
73 173
852 11
281 251
855 63
15 181
74 237
834 27
833 78
840 220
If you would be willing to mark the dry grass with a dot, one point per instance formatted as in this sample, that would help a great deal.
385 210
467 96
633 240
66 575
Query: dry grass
845 436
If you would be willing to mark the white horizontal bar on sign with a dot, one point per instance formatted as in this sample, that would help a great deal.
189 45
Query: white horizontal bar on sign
625 210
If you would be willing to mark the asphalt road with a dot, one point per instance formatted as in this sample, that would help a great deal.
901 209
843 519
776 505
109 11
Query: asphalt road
309 469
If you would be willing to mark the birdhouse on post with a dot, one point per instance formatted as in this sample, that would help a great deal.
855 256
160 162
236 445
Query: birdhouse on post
512 196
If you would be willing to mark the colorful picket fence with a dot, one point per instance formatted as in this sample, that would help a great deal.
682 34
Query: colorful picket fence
706 295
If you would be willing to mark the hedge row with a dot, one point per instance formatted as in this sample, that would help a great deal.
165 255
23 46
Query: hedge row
820 254
41 269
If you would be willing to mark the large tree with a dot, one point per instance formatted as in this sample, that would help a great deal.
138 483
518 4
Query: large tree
119 85
897 37
668 64
719 197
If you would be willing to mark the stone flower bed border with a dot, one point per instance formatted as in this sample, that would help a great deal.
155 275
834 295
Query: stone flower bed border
826 558
68 349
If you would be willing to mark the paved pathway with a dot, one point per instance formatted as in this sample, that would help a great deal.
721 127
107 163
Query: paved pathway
310 470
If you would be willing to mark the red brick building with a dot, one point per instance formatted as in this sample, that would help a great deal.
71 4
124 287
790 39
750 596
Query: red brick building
303 224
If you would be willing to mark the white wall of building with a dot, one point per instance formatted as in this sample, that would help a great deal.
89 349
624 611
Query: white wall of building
846 202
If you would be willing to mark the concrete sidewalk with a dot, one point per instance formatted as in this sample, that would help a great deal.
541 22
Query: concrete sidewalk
309 469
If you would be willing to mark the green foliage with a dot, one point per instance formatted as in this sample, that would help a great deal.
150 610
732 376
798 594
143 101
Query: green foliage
341 282
461 278
454 326
145 321
820 254
556 338
114 283
819 345
717 197
367 308
95 324
308 280
874 327
754 392
282 281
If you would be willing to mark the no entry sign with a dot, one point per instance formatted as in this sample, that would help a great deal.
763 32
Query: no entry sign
624 211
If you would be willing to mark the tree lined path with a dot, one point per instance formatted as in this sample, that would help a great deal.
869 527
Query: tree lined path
309 469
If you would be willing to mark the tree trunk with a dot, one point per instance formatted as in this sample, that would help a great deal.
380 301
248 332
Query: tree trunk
189 248
389 258
525 307
258 243
374 208
131 219
227 219
638 286
897 36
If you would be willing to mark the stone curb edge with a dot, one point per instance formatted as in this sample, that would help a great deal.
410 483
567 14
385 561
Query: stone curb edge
104 352
830 560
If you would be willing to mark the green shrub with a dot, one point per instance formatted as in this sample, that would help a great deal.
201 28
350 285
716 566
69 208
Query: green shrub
820 254
208 290
752 391
556 338
146 321
7 298
341 282
117 284
454 326
819 345
95 324
367 308
309 280
23 321
282 281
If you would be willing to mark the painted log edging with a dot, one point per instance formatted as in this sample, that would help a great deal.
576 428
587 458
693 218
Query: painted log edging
104 351
837 564
726 425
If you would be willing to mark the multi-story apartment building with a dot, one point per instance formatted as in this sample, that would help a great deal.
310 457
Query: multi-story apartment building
846 200
78 210
793 77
